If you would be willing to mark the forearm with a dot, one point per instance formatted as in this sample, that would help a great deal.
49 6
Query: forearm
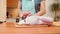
42 9
40 13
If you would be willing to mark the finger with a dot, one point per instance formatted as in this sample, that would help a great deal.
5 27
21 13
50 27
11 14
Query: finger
30 15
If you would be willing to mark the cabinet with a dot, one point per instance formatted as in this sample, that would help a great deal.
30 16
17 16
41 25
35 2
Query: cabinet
12 3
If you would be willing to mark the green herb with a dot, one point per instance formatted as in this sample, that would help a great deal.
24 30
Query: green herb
55 7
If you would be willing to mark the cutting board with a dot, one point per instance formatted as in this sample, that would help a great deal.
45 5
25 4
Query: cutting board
32 26
56 24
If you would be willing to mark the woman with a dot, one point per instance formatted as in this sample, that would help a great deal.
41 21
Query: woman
37 17
39 13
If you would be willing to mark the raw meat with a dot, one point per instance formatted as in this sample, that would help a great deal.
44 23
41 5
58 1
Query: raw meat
32 20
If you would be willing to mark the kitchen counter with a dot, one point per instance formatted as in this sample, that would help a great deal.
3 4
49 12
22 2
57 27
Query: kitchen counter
10 28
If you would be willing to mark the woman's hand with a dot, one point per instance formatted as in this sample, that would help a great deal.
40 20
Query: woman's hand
25 14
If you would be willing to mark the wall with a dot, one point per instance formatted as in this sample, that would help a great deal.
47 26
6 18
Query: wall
3 10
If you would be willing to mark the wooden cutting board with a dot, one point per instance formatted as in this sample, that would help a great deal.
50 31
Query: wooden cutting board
32 26
56 24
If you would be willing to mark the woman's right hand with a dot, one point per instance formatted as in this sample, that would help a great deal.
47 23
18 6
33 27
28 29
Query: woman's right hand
23 15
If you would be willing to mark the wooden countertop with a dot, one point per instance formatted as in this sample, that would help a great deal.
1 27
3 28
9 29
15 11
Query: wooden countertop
10 28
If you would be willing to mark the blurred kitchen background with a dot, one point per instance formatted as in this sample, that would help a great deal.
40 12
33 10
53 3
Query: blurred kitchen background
9 10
